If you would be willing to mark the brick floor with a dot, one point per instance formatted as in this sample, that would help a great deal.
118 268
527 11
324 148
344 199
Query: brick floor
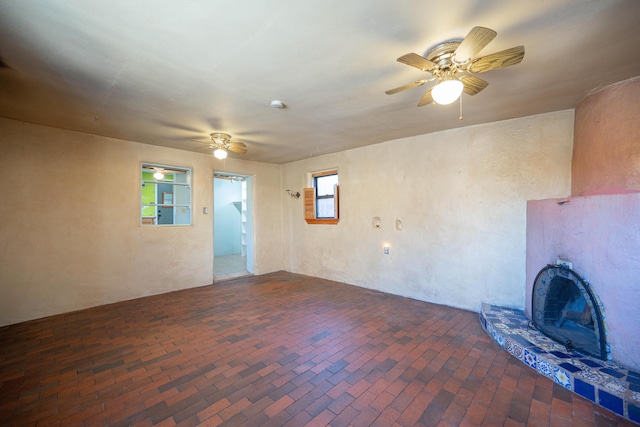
274 350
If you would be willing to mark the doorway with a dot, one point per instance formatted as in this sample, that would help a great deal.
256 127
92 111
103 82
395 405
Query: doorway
232 226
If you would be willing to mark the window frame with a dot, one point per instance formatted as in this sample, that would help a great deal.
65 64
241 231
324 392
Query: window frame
311 200
166 202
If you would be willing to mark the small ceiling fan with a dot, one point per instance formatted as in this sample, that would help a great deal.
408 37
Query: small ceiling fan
221 143
158 172
452 65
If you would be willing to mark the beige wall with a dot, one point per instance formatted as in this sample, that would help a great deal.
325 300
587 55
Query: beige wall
606 152
461 196
70 236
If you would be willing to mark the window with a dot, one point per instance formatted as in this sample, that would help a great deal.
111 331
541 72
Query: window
321 201
165 195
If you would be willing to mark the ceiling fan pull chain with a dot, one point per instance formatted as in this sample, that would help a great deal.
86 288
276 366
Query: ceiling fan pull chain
460 118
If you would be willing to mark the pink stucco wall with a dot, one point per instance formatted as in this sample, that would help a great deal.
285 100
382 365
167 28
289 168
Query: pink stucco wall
600 236
598 230
606 148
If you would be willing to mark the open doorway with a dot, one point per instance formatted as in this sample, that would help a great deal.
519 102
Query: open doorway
232 226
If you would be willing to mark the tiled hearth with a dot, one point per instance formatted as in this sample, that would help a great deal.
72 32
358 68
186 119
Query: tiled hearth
604 383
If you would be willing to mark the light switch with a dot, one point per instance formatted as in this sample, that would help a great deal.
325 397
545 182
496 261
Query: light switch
205 210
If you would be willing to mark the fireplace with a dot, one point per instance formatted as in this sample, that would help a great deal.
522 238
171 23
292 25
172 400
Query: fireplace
565 308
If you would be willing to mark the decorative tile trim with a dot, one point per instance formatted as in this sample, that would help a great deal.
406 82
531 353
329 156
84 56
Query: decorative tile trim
562 377
602 382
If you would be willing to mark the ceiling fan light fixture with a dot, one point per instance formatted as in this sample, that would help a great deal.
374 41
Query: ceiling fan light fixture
447 91
158 174
219 153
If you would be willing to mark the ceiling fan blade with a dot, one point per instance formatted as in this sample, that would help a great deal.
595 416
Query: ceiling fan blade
473 43
497 60
473 85
405 87
426 99
237 147
237 144
238 150
415 60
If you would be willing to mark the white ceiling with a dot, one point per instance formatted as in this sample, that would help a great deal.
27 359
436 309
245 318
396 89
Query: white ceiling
168 72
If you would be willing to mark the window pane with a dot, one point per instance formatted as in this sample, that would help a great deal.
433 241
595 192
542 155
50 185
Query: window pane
326 208
325 185
182 215
181 195
148 196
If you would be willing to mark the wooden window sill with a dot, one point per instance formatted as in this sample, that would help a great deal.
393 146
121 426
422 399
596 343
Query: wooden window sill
322 221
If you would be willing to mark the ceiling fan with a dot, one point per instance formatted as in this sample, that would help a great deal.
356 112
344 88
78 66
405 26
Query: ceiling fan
221 143
452 64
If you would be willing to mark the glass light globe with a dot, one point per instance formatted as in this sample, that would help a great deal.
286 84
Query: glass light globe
447 91
220 154
158 175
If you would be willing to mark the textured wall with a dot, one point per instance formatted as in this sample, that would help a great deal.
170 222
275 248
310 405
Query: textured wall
461 196
600 236
70 235
606 151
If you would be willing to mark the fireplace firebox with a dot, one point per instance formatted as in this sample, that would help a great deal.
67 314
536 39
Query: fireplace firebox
565 308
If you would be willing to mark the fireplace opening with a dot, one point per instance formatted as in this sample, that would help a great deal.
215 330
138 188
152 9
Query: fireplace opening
565 309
